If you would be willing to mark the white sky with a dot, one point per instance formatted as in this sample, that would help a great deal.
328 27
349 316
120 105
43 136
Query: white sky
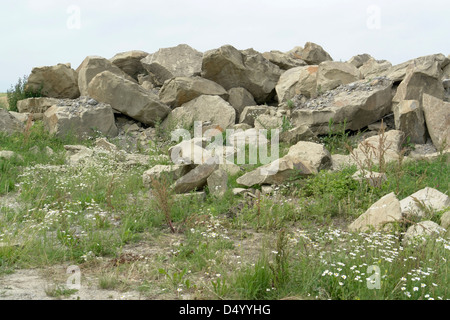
40 32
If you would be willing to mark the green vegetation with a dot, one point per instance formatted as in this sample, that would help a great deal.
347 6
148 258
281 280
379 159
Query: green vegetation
289 245
19 92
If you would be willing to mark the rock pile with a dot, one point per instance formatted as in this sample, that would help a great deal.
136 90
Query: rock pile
299 92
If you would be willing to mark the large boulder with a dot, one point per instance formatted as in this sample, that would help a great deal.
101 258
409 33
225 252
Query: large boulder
196 179
314 54
276 172
218 183
130 62
177 91
295 81
382 213
332 74
240 98
398 72
418 233
437 118
35 105
358 105
373 68
409 118
427 200
8 123
82 118
315 154
386 147
92 66
231 68
203 108
250 113
420 80
128 98
167 63
284 60
172 172
359 59
59 81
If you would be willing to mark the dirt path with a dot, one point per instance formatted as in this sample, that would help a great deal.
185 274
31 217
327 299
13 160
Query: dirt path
34 284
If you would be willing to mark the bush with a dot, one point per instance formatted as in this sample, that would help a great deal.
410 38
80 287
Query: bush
20 92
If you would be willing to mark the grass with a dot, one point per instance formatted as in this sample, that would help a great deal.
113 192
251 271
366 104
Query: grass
290 245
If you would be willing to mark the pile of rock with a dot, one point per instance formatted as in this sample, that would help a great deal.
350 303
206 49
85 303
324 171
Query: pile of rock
299 92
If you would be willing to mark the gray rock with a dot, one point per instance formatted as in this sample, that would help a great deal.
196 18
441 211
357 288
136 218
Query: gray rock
128 98
231 68
421 231
59 81
130 62
8 123
379 215
409 118
77 117
196 179
218 183
92 66
314 54
437 118
167 63
177 91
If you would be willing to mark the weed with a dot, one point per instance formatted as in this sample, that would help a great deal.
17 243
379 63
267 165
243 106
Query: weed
19 92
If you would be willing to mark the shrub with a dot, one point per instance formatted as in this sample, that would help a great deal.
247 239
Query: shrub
19 92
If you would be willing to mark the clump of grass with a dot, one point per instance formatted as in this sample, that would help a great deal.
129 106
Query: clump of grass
164 198
19 92
58 291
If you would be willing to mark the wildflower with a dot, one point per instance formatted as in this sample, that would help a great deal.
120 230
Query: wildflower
415 289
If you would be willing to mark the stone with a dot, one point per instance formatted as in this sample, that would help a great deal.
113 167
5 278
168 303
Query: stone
383 212
35 105
387 146
167 63
190 152
341 161
296 134
177 91
195 179
59 81
218 183
195 197
250 113
421 231
231 68
130 62
268 122
427 200
128 98
409 118
92 66
398 72
9 124
239 98
359 59
315 154
332 74
284 61
245 137
419 81
314 54
276 172
375 179
203 108
173 172
358 105
81 119
8 155
373 68
437 119
295 81
445 220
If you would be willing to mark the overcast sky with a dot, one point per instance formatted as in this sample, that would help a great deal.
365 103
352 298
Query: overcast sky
47 32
